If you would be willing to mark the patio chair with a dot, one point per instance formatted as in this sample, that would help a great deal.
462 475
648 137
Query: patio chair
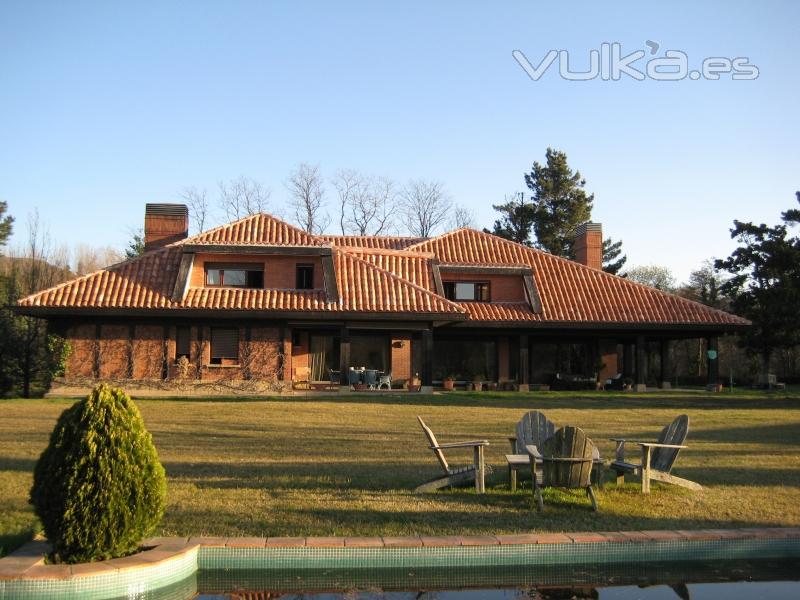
335 376
385 379
567 461
354 376
533 430
454 476
371 378
657 457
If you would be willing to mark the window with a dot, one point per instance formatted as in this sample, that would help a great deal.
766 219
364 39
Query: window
244 276
182 342
305 277
467 291
224 345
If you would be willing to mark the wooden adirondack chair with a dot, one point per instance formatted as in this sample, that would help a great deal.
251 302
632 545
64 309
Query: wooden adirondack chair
567 459
532 430
657 457
454 476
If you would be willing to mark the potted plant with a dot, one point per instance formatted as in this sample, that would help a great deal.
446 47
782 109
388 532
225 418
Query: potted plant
415 383
449 383
477 382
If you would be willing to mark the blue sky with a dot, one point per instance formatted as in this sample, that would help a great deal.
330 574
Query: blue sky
106 105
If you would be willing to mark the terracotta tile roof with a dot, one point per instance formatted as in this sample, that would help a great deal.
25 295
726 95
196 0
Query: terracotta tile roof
143 282
256 229
499 311
572 292
416 267
386 275
363 286
386 242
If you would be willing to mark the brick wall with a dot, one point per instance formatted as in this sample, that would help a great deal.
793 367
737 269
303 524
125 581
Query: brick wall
114 351
401 356
504 288
279 271
608 355
80 362
148 352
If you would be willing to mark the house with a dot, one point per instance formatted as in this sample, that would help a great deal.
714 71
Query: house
260 299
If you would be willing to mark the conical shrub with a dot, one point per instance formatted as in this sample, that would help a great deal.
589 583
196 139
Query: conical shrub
99 487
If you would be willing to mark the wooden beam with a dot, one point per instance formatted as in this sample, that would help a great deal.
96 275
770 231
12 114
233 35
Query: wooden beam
184 274
532 293
437 276
329 277
524 362
485 269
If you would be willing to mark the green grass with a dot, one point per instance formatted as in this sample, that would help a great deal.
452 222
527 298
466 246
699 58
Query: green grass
347 465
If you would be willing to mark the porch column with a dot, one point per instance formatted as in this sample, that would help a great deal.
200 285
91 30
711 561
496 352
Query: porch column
427 361
627 360
641 364
666 366
524 364
713 363
344 360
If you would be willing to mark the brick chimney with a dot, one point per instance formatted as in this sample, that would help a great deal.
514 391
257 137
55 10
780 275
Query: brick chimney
589 245
164 224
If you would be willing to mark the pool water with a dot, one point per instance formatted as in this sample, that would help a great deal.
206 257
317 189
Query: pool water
730 580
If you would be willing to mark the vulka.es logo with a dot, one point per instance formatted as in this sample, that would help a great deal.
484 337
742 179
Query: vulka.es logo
609 64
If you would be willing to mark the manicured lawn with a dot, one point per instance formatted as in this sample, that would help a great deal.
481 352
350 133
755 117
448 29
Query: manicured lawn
346 466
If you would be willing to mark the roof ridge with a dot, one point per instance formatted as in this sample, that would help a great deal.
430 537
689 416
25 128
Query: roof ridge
208 232
401 280
386 251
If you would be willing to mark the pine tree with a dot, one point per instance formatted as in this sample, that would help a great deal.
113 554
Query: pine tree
612 261
560 203
516 222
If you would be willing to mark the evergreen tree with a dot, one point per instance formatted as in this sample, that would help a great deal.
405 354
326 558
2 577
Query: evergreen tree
613 259
6 224
516 222
765 284
560 203
135 246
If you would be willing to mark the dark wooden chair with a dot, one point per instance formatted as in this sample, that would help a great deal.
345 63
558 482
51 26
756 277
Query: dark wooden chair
532 430
454 476
567 459
657 457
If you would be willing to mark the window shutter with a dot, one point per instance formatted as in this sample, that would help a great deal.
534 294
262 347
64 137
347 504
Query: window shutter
182 341
224 343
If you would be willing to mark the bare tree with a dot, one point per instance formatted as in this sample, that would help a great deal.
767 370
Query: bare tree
426 206
243 197
199 209
462 217
373 208
307 198
347 183
87 259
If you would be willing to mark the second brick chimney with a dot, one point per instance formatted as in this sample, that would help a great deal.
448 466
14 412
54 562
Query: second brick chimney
165 224
589 245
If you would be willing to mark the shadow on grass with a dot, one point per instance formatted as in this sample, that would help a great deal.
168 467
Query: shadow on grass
11 541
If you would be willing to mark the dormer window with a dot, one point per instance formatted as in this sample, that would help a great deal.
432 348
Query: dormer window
305 277
239 275
467 291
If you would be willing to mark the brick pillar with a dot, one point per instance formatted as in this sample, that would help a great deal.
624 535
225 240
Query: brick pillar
401 356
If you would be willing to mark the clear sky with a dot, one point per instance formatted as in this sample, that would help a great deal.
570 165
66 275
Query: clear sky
105 106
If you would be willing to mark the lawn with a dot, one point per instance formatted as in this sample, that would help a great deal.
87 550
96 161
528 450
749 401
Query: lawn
346 466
